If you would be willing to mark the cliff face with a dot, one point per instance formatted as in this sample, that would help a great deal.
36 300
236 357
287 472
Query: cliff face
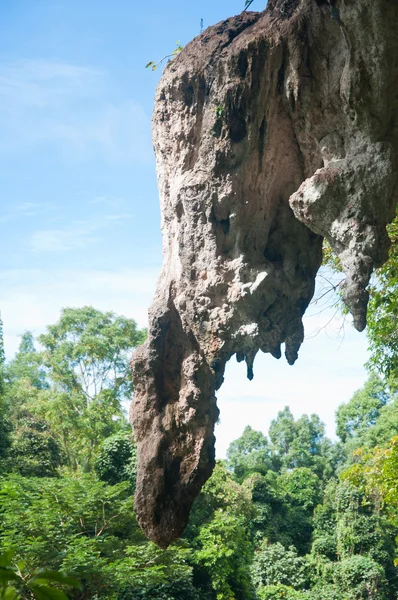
271 130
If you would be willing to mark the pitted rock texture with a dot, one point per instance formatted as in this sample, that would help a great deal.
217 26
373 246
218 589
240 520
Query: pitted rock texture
271 131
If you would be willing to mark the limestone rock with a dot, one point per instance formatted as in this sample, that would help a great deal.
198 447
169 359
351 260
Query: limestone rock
271 131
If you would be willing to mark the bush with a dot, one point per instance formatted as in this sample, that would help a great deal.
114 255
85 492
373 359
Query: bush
326 592
117 459
279 592
361 576
273 565
34 451
325 546
181 589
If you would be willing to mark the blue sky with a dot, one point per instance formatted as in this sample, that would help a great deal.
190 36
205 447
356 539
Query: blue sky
79 205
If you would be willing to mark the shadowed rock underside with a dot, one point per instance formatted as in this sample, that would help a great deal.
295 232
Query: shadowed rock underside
271 131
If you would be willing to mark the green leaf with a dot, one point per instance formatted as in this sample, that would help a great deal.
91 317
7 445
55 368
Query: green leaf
7 574
10 594
43 576
6 558
149 64
42 592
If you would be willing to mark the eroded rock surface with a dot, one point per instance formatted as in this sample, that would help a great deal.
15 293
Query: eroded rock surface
271 131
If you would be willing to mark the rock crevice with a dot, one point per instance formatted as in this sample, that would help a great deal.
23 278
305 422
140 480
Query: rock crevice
271 131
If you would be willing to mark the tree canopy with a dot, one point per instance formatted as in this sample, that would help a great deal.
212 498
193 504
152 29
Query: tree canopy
289 515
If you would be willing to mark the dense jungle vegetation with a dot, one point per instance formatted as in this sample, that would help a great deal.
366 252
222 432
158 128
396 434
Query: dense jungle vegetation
290 515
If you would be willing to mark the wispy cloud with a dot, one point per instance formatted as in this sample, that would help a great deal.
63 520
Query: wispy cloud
69 107
113 202
76 235
58 240
21 210
32 298
41 84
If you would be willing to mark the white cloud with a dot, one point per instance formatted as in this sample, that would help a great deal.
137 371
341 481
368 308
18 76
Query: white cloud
21 210
56 240
42 84
32 299
77 235
45 102
113 202
117 132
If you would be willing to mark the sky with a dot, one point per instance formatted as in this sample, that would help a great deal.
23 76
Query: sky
79 216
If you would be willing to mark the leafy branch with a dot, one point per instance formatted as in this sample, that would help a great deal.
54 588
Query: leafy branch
154 65
18 584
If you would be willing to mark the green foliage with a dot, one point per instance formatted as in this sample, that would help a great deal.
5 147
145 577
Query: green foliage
154 65
279 592
275 565
33 450
303 487
383 312
249 454
76 385
117 459
363 410
88 353
375 474
74 524
225 552
300 443
158 574
353 549
17 584
27 367
272 522
2 358
220 492
361 577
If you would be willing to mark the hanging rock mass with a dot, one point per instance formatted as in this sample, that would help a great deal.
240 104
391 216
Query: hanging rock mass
271 131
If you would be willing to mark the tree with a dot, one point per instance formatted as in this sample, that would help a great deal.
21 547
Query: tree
363 410
4 426
353 550
117 459
383 312
300 443
302 486
27 366
33 449
153 574
16 584
87 357
225 552
249 454
274 565
75 524
2 358
282 432
88 353
376 473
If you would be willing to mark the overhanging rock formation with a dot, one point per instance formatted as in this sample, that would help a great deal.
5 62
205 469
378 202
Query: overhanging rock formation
271 131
